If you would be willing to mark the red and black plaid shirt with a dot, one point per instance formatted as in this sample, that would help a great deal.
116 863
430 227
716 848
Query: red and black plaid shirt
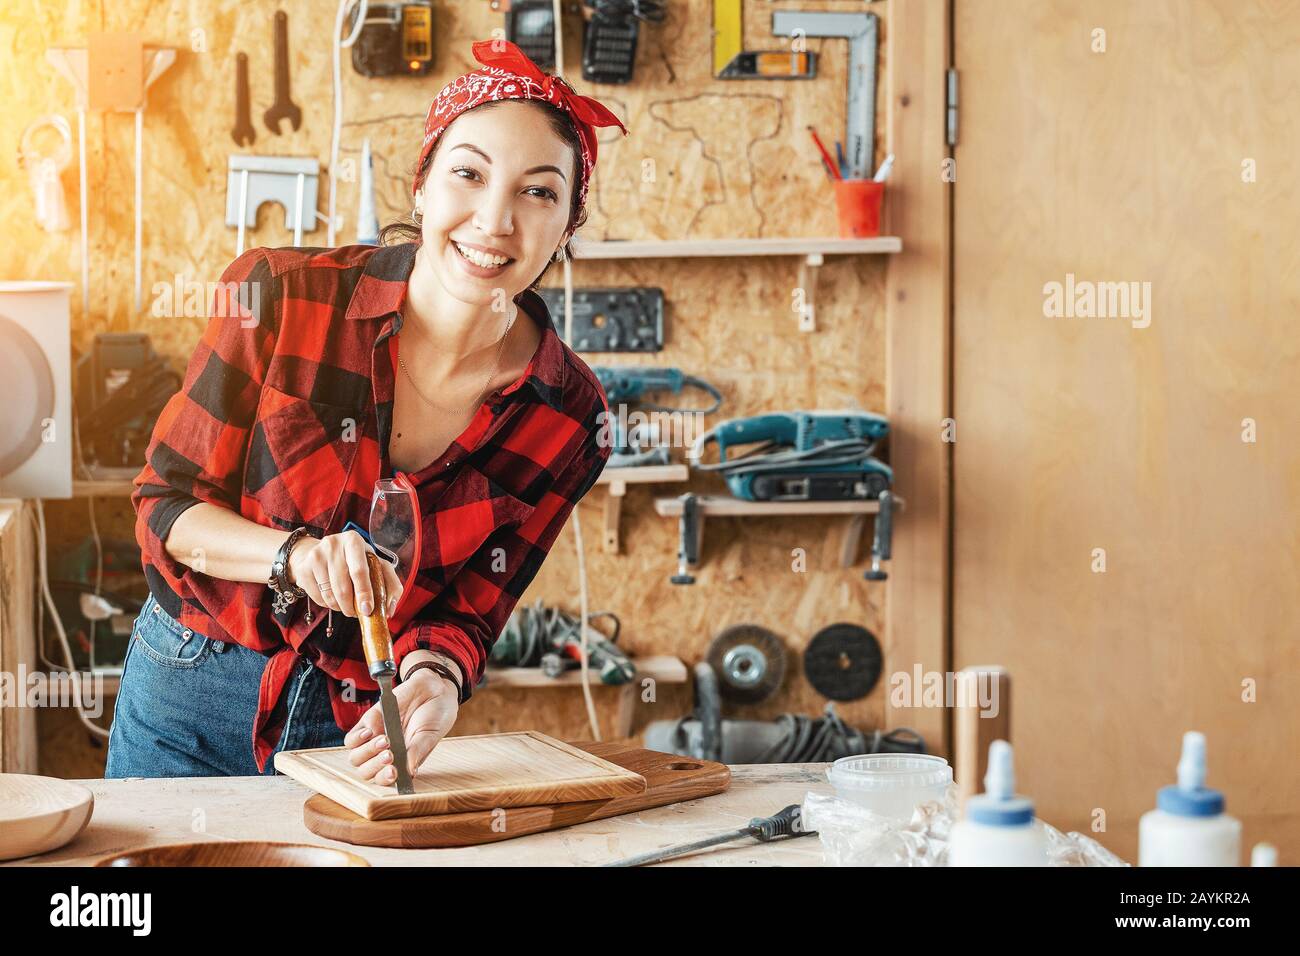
284 417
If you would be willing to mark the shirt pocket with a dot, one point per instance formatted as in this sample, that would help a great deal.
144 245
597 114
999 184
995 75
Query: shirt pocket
299 455
465 516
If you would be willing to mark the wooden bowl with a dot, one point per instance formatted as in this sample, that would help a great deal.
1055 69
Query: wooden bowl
234 853
39 814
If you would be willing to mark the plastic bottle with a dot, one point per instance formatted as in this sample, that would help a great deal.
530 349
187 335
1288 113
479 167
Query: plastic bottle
1188 826
1264 854
998 828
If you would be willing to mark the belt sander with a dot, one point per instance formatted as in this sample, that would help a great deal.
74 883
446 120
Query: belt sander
801 456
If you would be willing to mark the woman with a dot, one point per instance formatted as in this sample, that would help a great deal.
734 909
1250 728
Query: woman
433 362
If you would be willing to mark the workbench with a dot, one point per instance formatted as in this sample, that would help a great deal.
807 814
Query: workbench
139 812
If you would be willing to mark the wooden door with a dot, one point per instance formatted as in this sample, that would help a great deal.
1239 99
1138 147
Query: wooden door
1127 486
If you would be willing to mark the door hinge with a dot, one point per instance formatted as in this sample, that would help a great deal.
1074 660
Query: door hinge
952 107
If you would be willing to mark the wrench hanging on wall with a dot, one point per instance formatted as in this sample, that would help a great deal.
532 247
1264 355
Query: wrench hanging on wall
283 107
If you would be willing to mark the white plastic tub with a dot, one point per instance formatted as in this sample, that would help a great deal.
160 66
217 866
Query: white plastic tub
892 785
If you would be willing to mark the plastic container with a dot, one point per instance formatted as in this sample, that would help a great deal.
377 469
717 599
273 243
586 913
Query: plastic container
1188 826
1264 854
857 207
892 785
998 828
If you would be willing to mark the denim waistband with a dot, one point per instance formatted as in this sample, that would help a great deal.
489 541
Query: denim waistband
152 610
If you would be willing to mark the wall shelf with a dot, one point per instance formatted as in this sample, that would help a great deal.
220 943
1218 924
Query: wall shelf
662 670
693 248
725 506
617 480
813 252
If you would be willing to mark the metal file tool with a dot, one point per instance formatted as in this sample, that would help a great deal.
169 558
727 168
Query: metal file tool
378 642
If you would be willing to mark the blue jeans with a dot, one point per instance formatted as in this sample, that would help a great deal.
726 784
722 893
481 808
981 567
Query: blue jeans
187 704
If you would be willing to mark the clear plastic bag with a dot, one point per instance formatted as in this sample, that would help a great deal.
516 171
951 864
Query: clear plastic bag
851 835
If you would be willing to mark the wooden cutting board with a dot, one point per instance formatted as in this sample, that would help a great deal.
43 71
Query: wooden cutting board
480 772
669 779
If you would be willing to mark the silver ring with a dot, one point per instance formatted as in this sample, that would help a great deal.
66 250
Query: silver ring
327 596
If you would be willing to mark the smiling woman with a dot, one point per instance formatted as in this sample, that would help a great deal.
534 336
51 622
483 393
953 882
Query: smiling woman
284 426
473 163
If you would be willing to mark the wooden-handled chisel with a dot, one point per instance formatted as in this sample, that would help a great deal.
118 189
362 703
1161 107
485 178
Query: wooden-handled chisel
378 642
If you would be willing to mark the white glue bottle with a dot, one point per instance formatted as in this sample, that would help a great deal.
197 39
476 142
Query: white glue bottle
998 828
1264 854
1188 826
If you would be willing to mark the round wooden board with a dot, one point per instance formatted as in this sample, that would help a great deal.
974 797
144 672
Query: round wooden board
234 853
39 814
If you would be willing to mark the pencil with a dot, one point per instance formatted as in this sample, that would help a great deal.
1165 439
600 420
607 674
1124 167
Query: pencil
826 156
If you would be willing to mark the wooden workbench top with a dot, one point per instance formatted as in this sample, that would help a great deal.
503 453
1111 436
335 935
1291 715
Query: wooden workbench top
146 812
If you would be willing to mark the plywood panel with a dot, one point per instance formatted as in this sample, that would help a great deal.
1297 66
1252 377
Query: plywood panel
682 173
18 727
1083 435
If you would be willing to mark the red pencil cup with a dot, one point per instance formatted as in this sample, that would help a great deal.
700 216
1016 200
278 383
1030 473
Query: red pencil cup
857 202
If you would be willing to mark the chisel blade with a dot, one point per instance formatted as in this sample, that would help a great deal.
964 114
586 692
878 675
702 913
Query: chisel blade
393 731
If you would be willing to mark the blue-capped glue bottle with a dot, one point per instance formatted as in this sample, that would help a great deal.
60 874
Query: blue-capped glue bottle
998 827
1188 826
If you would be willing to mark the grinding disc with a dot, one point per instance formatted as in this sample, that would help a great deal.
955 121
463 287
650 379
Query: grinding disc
749 661
843 662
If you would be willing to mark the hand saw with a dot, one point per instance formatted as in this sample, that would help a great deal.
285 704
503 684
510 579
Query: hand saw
378 644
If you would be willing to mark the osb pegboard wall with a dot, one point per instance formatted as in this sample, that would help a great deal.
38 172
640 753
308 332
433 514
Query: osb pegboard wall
731 159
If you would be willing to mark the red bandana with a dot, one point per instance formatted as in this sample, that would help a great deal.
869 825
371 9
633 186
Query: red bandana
507 73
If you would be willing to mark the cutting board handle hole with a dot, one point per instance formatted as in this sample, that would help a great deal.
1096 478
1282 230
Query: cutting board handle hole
685 766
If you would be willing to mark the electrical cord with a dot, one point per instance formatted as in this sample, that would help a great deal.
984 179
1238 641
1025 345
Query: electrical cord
582 605
145 391
43 576
339 46
840 452
826 738
557 14
804 740
699 383
533 632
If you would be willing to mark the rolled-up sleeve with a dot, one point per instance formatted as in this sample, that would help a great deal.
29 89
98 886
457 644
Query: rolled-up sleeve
199 444
468 615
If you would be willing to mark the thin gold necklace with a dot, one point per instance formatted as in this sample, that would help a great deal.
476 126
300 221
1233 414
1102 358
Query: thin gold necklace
496 365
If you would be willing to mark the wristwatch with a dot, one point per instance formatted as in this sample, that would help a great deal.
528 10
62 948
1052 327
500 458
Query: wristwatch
286 593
